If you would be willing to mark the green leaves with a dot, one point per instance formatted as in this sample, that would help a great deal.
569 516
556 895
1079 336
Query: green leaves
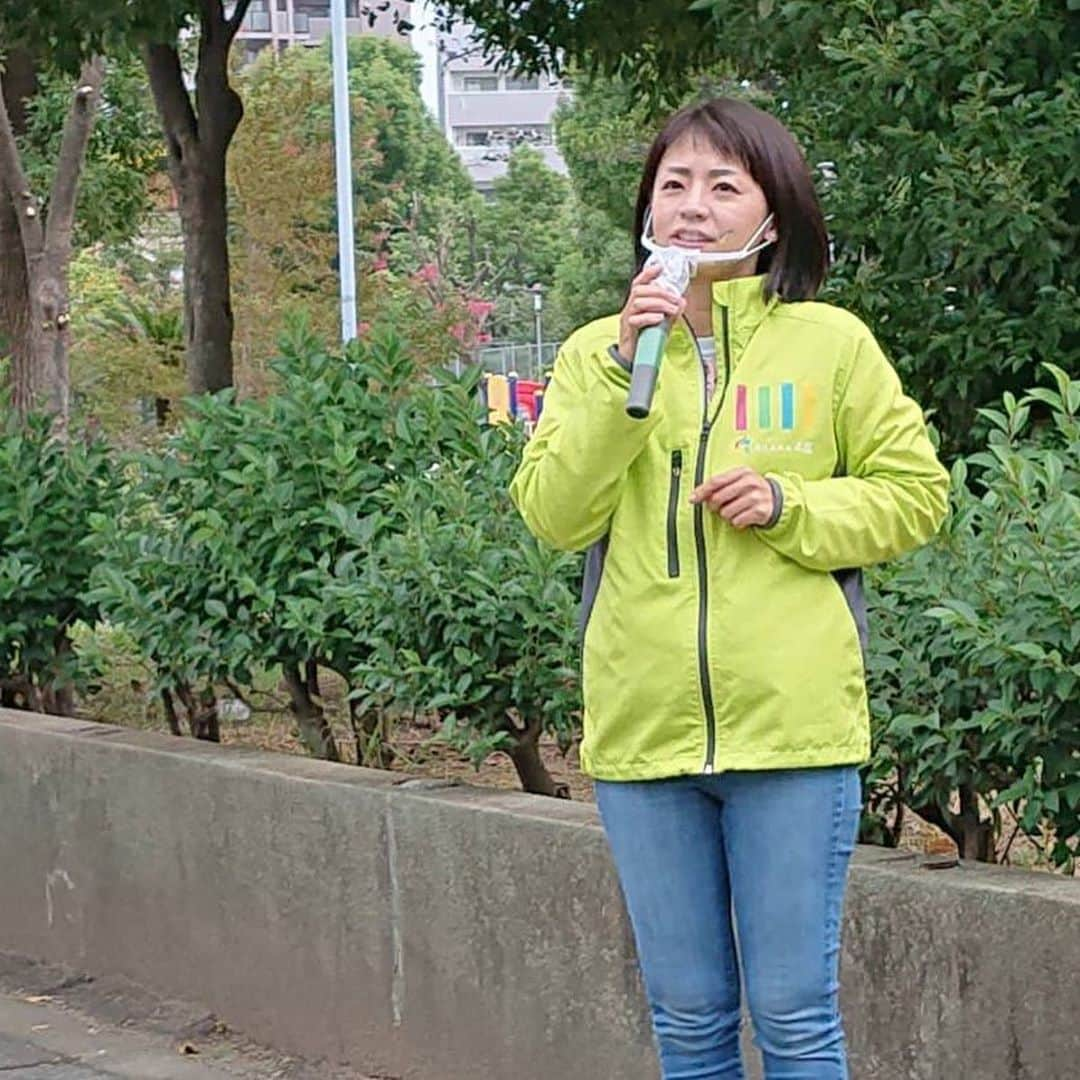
456 610
357 518
70 31
50 492
975 655
123 152
934 134
232 532
216 609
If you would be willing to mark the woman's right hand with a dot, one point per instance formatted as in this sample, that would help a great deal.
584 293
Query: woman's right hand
647 305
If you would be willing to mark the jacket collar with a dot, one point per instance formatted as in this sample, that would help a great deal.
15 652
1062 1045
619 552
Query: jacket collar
744 300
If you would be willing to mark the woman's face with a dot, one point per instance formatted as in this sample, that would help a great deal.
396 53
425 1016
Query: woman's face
709 202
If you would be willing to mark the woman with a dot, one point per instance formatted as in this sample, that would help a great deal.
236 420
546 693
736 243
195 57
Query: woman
724 625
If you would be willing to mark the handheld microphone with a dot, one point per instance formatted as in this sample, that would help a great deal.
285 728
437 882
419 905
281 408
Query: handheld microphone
676 267
650 348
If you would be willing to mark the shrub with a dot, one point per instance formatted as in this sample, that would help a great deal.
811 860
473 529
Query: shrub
229 537
975 666
464 615
49 490
356 520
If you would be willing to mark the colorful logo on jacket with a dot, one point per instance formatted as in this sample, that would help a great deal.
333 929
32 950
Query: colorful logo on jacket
775 417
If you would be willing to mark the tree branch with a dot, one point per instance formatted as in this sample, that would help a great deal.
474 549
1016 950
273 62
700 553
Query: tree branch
73 142
27 208
20 85
173 102
945 820
233 24
218 105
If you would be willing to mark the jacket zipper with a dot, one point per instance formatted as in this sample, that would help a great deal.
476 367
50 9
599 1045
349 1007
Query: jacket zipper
672 515
699 540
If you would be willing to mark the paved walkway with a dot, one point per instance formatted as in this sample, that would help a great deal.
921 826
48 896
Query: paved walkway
44 1036
42 1041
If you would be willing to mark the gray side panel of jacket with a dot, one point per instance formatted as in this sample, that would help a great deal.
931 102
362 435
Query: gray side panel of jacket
851 584
590 585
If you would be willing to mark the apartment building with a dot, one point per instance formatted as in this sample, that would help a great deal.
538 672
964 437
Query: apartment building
485 111
277 24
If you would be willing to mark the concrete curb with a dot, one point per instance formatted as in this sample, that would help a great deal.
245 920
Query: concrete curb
442 933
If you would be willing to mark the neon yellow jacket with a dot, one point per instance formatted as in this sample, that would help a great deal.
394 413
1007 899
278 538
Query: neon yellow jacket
708 648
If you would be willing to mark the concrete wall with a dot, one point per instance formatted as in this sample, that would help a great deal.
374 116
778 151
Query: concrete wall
436 933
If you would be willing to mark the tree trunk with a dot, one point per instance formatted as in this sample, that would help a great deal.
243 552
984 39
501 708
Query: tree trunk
202 712
39 376
22 389
369 736
531 770
19 85
49 339
974 838
315 731
208 315
171 717
58 696
311 674
198 137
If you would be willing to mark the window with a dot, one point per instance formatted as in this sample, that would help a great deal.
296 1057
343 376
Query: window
480 83
531 134
258 16
523 82
473 137
508 137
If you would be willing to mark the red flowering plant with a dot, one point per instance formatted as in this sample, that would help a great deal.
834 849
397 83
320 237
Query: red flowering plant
440 319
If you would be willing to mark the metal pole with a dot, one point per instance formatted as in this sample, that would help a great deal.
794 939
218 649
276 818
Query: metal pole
440 76
538 306
445 81
343 153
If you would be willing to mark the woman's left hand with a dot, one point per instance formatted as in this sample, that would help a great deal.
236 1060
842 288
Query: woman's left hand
741 496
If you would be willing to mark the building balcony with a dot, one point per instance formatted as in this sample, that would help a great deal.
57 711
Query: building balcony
503 107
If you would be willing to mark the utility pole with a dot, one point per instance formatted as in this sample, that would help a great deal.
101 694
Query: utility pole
538 308
343 155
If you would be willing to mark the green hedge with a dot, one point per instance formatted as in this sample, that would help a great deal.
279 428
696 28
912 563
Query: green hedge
49 491
975 650
358 521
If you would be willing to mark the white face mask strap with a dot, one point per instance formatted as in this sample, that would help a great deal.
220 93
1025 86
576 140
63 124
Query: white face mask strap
745 251
650 244
757 232
647 241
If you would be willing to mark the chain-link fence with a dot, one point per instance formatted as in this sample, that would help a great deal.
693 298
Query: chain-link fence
525 361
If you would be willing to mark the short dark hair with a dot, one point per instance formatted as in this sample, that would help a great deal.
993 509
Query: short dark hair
797 263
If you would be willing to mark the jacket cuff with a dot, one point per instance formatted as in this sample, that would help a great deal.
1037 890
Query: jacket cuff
778 502
626 365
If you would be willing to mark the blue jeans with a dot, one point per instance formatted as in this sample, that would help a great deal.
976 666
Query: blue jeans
758 857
